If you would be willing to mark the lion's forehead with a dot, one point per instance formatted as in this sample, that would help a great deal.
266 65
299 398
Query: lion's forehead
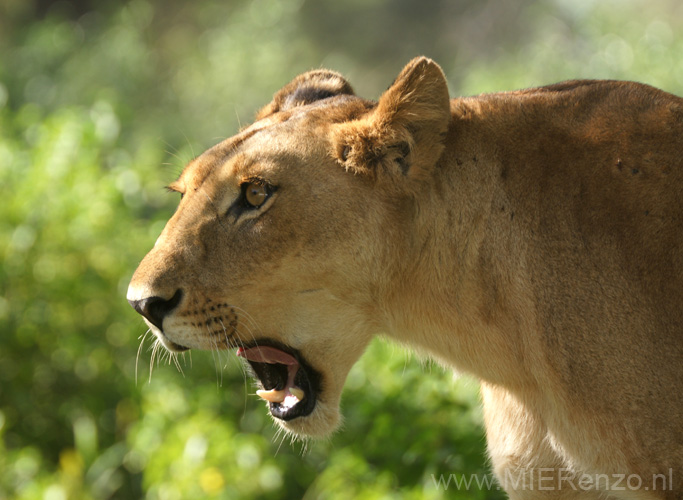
267 144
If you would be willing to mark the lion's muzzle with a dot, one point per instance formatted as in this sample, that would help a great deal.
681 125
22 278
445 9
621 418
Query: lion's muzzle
154 309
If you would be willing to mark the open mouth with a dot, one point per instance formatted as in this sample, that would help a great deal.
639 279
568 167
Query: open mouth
290 385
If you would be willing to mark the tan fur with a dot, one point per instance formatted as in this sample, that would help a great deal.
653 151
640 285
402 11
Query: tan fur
531 238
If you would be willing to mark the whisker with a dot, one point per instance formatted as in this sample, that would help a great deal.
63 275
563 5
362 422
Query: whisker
137 357
304 446
155 349
188 143
239 122
253 325
182 356
165 356
219 366
284 436
177 364
245 374
234 340
229 342
175 155
247 316
219 380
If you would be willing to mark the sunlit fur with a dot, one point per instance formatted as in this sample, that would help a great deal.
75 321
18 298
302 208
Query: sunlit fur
531 238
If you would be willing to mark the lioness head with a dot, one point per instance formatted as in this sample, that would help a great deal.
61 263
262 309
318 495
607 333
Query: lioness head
289 235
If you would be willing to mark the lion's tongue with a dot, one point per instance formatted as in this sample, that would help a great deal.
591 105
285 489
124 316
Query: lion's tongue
267 355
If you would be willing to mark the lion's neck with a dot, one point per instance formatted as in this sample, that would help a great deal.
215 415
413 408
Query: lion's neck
461 298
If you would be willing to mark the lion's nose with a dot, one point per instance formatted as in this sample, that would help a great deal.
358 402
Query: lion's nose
155 309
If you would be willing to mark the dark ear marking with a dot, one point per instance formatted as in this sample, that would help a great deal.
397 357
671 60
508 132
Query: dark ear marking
306 89
306 95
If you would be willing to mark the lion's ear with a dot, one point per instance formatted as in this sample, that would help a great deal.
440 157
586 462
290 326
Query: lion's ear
406 131
305 89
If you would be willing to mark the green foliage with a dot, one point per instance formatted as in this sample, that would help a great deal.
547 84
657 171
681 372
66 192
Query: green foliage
100 108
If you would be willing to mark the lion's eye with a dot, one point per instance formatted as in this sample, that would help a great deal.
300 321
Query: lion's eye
255 193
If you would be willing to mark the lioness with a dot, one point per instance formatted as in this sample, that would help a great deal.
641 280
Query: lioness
531 238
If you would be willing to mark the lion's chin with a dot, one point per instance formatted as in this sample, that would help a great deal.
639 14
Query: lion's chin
321 423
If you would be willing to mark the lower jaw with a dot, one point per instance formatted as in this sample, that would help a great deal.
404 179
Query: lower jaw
289 414
320 424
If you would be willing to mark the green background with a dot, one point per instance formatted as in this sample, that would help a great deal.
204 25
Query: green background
101 105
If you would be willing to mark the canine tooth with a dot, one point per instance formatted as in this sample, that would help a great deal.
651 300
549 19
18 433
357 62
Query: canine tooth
274 396
297 393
